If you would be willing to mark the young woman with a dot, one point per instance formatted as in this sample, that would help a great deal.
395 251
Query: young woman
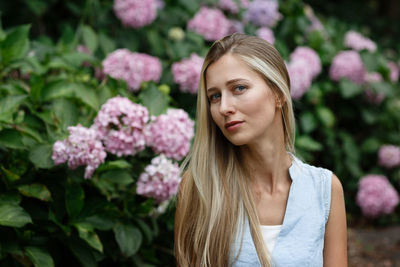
245 198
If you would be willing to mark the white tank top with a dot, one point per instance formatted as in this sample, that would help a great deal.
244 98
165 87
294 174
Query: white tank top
270 233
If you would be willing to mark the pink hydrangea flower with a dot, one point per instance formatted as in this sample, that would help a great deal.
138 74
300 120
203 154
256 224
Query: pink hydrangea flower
310 57
82 147
134 68
373 77
136 13
263 13
376 196
389 156
187 73
316 24
372 96
394 71
171 133
300 78
232 6
160 180
121 124
235 26
211 23
267 34
304 66
358 42
347 64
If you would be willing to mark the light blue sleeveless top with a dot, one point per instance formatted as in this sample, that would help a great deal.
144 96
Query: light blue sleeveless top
301 239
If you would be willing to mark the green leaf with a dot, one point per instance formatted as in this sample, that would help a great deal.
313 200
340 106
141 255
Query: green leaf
61 89
74 197
326 116
106 44
58 89
13 215
38 191
119 177
9 104
349 89
308 122
307 143
66 112
155 101
82 252
38 7
370 61
39 257
128 238
10 198
147 231
12 177
99 222
383 87
87 95
86 233
16 44
191 5
11 138
76 58
40 155
371 145
90 38
156 42
116 164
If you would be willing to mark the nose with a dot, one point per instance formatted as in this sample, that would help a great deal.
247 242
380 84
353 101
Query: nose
227 106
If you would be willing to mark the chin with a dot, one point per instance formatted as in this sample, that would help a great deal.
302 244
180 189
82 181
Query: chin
237 141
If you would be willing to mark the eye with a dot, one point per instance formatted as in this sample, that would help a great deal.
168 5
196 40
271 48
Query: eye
214 97
240 88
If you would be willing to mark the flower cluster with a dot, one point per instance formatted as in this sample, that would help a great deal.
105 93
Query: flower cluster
356 41
376 196
211 23
347 64
160 180
134 68
372 96
394 71
267 34
187 73
121 126
232 6
235 26
136 13
263 13
389 156
303 67
316 24
171 133
82 147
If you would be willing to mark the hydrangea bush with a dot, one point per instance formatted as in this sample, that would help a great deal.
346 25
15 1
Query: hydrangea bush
94 122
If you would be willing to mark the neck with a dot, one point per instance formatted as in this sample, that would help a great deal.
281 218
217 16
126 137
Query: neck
268 163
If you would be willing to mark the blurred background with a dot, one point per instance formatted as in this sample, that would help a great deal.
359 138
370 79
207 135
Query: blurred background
97 108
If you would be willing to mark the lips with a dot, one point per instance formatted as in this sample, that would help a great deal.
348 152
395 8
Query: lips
231 124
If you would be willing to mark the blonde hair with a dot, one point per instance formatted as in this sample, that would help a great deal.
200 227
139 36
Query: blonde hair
213 197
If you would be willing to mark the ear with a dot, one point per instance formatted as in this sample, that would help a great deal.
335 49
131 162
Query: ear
280 101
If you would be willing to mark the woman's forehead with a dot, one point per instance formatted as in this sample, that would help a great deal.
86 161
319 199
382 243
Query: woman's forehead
228 67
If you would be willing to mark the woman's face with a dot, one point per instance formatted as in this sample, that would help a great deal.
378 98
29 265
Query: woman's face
241 103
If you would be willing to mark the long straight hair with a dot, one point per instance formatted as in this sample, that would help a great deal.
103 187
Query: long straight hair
214 196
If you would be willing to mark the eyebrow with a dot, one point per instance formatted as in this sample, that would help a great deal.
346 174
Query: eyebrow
227 84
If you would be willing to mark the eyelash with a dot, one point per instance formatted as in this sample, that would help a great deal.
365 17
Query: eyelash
211 98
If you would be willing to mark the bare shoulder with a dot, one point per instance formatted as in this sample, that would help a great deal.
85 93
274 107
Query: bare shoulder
336 188
335 247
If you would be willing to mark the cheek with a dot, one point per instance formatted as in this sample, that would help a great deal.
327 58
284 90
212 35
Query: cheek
214 115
